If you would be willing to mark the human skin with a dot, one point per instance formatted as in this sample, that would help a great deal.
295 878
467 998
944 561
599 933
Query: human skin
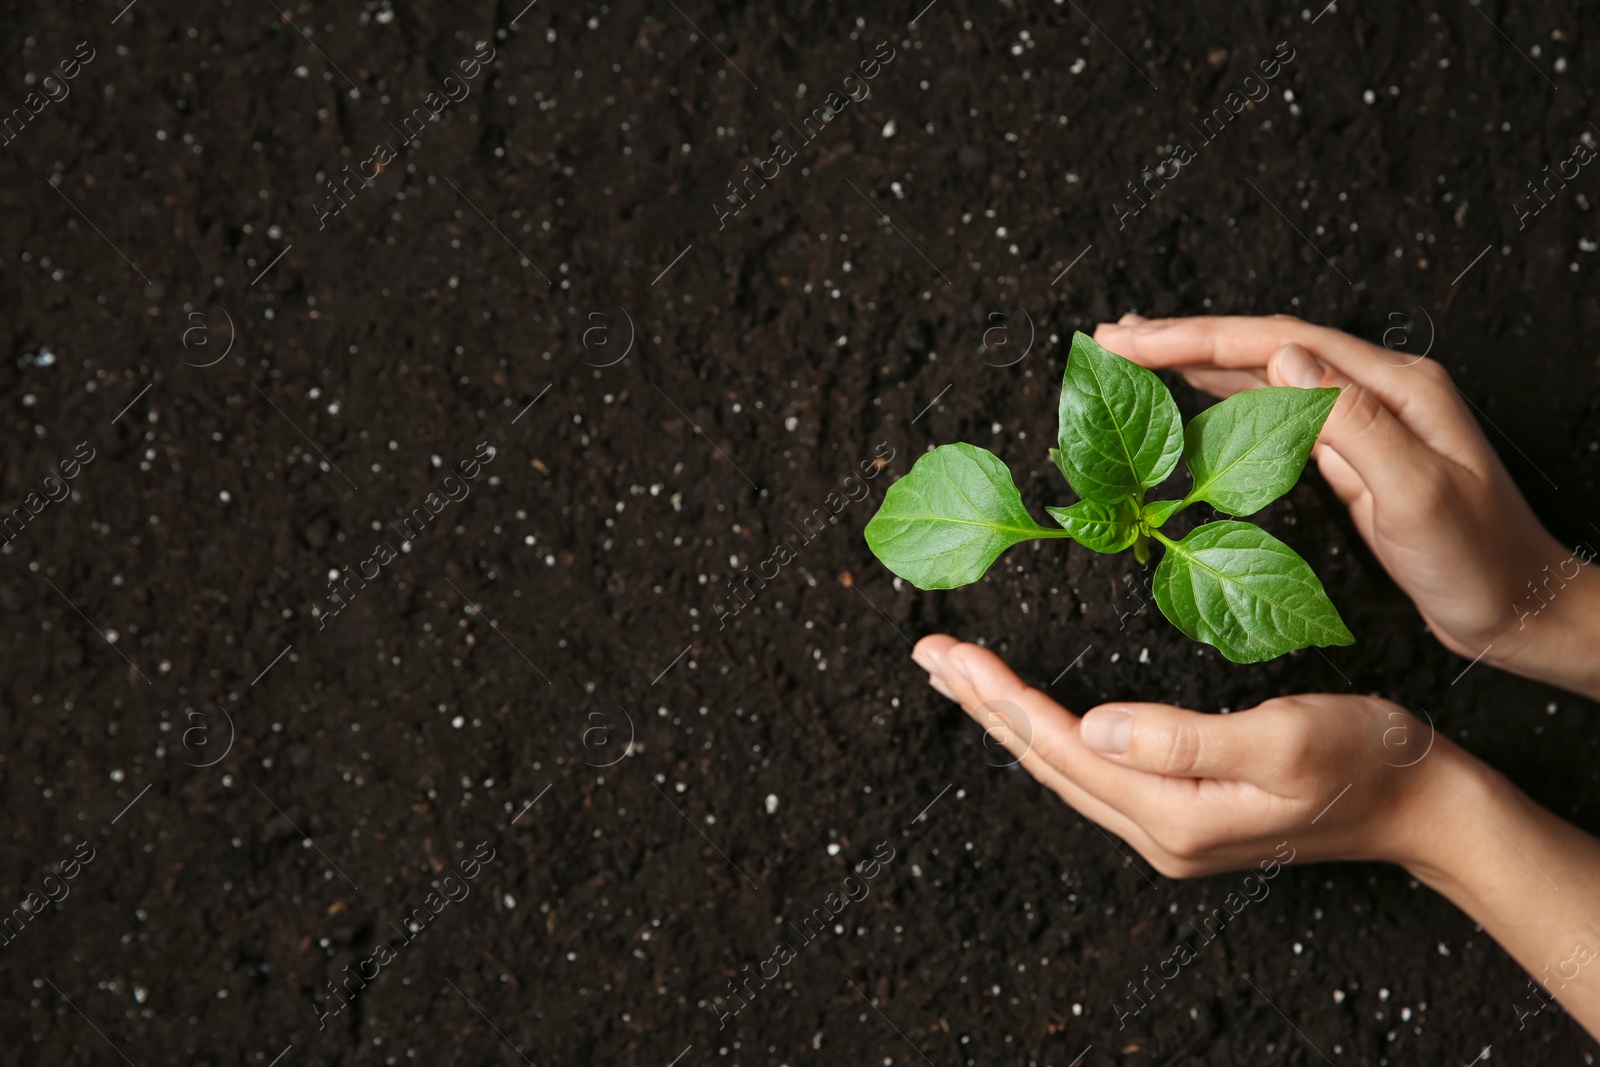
1347 777
1423 486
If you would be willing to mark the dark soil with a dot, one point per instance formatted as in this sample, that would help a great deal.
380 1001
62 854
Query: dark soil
570 599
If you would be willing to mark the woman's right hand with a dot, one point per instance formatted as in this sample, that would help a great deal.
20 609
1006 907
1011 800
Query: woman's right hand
1423 486
1324 776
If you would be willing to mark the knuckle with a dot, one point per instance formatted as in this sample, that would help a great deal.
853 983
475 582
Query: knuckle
1185 843
1432 499
1361 409
1182 748
1299 752
1435 372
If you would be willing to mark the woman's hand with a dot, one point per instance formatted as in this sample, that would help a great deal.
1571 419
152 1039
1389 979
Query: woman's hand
1335 776
1423 486
1331 778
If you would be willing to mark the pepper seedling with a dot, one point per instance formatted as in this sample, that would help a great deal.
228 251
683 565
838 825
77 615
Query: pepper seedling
1229 584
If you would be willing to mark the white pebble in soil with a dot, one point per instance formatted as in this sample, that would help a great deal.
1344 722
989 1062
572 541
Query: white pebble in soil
772 803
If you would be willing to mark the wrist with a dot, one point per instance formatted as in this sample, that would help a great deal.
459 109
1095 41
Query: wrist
1484 845
1575 640
1555 634
1458 798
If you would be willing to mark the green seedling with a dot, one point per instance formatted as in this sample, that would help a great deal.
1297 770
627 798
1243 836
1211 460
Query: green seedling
1228 584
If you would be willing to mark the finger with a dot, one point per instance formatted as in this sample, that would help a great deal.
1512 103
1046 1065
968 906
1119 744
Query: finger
1223 383
982 681
929 652
1386 456
1177 743
1125 802
1418 391
1347 486
1040 732
1002 720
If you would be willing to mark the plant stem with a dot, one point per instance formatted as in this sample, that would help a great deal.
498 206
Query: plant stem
1157 534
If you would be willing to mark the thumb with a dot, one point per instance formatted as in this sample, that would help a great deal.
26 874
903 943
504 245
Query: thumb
1172 741
1388 457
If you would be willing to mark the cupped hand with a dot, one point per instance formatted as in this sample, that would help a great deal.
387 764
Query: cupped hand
1337 777
1300 779
1423 485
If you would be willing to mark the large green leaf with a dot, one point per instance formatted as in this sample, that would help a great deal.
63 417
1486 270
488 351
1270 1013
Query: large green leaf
1249 450
1120 432
1235 586
1101 527
949 518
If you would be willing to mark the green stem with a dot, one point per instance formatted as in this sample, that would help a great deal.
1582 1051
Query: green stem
1157 534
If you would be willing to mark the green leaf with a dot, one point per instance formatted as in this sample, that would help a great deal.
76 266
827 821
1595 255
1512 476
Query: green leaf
950 517
1235 586
1249 450
1100 527
1156 512
1120 432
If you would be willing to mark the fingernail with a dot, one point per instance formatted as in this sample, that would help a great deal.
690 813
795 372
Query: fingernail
1108 731
939 687
925 659
1298 367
